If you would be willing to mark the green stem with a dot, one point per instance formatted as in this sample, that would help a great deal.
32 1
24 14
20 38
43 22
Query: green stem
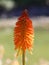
23 58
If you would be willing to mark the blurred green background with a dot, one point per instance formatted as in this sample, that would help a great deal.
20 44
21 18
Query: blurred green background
40 50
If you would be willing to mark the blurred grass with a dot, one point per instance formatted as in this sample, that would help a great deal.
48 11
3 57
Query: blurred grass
41 45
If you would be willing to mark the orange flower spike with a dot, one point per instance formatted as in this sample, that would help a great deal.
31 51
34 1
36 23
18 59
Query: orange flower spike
23 33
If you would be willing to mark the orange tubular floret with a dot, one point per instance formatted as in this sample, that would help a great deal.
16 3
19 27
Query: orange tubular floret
23 33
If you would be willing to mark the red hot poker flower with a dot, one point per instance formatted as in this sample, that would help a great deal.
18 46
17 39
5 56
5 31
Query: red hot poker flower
23 33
